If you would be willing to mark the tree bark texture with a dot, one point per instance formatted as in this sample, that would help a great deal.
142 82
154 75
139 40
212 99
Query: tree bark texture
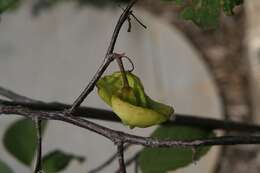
224 54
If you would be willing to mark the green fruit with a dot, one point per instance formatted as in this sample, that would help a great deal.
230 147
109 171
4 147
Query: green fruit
127 94
136 116
131 104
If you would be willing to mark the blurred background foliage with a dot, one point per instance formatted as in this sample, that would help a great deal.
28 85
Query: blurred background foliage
204 13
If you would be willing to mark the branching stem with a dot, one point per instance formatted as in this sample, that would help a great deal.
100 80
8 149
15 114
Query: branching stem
19 98
92 83
120 156
114 135
101 114
107 60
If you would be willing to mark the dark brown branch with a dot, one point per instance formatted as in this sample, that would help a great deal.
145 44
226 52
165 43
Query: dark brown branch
19 98
129 24
125 137
38 164
14 96
120 156
101 114
138 21
108 161
15 108
130 161
107 60
92 83
118 27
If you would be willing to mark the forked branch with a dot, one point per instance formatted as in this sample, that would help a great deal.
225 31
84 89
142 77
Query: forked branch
107 60
37 110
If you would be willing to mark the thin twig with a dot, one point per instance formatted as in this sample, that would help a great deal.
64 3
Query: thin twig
38 164
180 119
141 23
138 21
14 96
129 24
130 161
118 27
108 161
120 156
19 98
121 136
91 84
131 62
114 135
107 60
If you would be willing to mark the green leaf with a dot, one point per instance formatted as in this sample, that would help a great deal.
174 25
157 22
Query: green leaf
4 168
113 84
161 160
58 160
204 13
229 5
20 140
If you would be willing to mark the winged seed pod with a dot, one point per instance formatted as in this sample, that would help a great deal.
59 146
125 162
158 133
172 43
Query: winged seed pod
131 104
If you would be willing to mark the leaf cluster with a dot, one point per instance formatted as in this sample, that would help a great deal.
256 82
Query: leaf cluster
205 13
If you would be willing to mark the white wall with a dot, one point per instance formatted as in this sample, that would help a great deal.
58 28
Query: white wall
53 56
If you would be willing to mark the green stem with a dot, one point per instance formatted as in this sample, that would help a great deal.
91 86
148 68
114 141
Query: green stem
122 70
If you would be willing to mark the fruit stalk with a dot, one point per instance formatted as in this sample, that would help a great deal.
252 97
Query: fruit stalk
122 70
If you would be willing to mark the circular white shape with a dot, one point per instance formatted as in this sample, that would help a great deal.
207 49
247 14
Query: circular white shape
52 57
